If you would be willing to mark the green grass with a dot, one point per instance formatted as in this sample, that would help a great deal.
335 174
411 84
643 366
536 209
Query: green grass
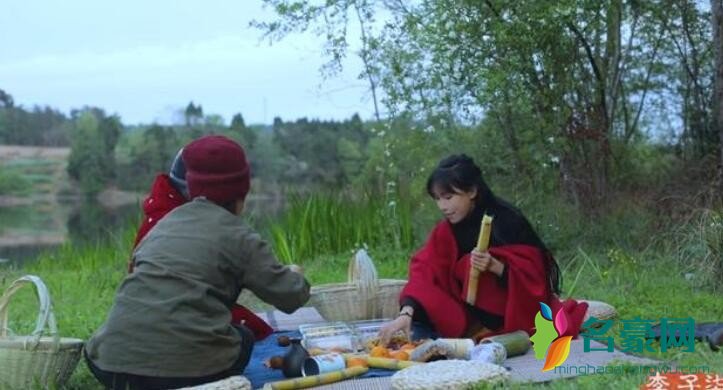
328 224
641 278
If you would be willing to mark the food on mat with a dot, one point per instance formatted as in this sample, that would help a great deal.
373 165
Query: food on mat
354 361
396 342
460 348
275 362
335 337
283 341
432 350
407 347
316 351
379 351
399 355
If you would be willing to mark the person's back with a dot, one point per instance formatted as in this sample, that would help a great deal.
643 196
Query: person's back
189 271
170 323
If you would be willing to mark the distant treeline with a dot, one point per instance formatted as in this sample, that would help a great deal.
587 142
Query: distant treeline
105 152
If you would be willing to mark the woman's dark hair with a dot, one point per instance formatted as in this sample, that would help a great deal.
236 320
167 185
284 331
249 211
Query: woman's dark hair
459 173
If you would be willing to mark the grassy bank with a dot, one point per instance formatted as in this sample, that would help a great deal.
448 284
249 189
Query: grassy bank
622 260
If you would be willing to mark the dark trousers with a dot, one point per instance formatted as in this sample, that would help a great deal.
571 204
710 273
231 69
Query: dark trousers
123 381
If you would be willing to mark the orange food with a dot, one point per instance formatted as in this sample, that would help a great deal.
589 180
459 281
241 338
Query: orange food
356 362
379 351
399 355
407 347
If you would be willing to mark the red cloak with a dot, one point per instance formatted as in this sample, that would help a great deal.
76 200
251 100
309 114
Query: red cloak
438 282
163 198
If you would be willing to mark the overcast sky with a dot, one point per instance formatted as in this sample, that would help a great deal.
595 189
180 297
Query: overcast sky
145 60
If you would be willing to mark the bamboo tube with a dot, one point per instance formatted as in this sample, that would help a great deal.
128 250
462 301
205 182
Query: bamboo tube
483 243
390 364
316 380
516 343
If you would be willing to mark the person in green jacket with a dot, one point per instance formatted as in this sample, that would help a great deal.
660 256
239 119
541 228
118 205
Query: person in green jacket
170 323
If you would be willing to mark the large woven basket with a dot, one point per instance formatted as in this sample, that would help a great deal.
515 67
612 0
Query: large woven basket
36 360
363 297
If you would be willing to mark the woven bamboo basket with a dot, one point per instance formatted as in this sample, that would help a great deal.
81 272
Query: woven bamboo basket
363 297
35 360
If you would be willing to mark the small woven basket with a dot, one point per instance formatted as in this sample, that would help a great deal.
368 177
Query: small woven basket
363 297
35 361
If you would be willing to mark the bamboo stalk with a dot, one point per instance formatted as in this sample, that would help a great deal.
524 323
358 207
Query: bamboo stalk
516 343
316 380
483 243
390 364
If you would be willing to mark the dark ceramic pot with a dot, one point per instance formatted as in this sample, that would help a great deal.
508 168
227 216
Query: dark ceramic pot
294 359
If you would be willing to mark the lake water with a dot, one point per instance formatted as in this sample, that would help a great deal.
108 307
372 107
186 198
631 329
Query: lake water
28 230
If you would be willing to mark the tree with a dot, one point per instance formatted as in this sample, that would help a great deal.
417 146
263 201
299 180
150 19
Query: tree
578 72
717 21
247 134
92 156
6 101
193 114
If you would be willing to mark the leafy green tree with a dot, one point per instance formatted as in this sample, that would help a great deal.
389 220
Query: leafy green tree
6 100
566 83
247 134
717 21
193 115
92 157
315 150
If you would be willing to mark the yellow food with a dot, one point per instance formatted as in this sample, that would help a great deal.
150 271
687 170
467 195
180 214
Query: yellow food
407 347
379 351
399 355
356 362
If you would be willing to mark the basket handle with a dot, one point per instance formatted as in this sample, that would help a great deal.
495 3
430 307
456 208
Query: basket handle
363 274
45 313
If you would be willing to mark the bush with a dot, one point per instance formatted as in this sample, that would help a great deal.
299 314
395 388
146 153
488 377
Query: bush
12 183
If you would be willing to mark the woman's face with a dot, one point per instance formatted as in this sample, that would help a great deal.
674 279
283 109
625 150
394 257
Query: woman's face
455 205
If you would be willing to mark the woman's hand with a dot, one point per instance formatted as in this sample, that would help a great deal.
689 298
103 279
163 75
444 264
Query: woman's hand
403 323
483 261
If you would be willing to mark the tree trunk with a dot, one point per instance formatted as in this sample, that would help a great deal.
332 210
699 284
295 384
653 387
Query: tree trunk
717 20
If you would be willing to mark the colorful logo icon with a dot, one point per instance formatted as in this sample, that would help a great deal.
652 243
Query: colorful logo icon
547 334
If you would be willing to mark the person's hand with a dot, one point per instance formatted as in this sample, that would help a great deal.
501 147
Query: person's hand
483 261
296 268
403 323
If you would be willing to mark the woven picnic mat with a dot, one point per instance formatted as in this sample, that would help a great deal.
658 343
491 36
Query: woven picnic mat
526 368
523 368
360 384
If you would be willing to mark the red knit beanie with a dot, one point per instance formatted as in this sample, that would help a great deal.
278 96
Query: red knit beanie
216 168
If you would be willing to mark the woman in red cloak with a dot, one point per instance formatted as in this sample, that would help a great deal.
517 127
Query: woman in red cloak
516 273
